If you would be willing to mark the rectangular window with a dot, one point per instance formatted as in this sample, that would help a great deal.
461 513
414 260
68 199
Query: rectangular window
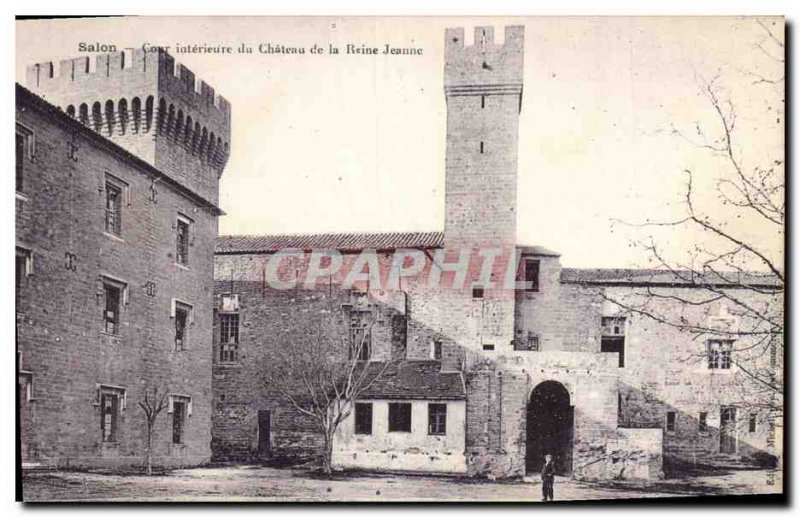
228 337
437 419
109 411
23 141
531 343
671 420
179 410
488 347
20 144
399 417
182 314
23 267
752 423
531 274
612 326
363 418
481 147
612 340
113 223
702 422
437 350
113 302
719 354
183 230
360 338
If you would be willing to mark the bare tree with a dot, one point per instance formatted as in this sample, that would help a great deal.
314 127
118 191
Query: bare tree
154 403
729 262
321 366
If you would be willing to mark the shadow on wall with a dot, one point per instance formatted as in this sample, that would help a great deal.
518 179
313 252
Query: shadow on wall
497 427
716 439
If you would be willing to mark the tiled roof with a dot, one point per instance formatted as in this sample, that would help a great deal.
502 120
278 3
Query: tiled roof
337 241
538 250
663 277
343 242
413 380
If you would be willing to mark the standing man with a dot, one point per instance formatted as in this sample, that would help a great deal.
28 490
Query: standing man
548 476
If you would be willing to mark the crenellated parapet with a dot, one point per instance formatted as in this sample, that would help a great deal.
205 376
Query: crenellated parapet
485 67
148 103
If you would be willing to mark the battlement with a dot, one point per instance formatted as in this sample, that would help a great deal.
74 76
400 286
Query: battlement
129 66
485 67
150 105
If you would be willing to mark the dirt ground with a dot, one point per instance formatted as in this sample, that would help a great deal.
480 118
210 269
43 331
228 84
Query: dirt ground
253 484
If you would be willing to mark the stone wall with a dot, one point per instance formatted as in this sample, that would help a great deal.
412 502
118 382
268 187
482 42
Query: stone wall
269 320
416 451
60 332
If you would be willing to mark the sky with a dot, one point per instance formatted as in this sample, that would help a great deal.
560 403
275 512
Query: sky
355 143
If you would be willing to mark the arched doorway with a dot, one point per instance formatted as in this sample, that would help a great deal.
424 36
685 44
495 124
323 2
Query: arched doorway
549 428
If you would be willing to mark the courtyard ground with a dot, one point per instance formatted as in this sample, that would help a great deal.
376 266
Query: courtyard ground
254 483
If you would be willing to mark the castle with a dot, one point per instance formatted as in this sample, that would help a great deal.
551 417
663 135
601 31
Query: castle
118 166
485 379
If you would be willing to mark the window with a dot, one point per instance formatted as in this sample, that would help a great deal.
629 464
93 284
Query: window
182 315
671 420
400 417
109 413
437 350
483 101
488 347
531 277
702 422
719 354
481 147
179 410
23 266
113 209
23 141
612 336
20 144
363 418
613 325
752 423
113 293
182 240
360 338
228 336
477 292
437 419
530 344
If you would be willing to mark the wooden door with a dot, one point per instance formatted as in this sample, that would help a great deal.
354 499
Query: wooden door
264 418
727 430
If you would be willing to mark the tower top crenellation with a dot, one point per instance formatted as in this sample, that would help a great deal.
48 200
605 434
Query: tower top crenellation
133 66
473 68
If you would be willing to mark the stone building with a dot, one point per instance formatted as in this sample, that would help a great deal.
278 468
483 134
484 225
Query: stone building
118 164
551 365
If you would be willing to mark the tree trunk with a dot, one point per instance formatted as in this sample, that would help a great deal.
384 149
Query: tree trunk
149 450
327 453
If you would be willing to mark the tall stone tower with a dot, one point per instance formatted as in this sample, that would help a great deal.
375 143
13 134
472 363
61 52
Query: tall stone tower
148 104
483 88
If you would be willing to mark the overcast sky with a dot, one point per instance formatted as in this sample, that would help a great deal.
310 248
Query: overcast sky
353 143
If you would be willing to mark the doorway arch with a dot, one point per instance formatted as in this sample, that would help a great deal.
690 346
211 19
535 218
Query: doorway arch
549 428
